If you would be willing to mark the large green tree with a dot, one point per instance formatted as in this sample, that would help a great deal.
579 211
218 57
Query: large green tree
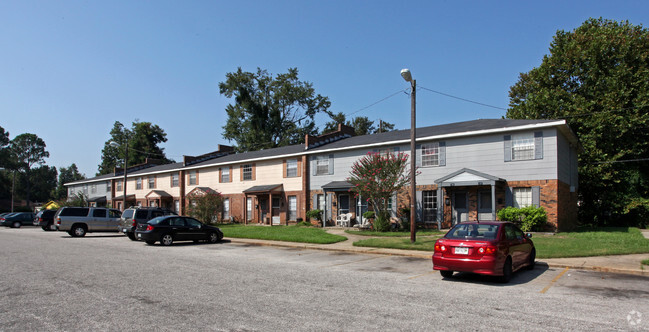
143 142
40 181
66 175
597 78
362 125
269 111
28 151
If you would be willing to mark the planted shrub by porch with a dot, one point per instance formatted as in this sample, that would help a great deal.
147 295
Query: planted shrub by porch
529 218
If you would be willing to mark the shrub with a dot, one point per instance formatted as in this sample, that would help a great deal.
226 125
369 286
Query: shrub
529 218
404 213
369 214
382 222
637 212
314 214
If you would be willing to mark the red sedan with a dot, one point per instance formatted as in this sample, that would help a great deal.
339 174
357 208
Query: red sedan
488 247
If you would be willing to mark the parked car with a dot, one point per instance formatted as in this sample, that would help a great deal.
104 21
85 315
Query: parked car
17 219
168 229
45 219
491 248
78 221
135 215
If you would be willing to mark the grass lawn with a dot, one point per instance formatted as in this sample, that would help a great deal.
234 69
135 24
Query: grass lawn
582 243
426 232
281 233
645 262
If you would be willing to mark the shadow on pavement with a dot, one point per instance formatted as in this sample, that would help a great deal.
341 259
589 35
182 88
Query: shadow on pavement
522 276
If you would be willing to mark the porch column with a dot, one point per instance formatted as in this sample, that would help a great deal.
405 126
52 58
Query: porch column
269 208
245 209
493 201
440 207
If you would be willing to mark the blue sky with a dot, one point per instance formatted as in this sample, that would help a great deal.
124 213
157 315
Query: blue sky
70 69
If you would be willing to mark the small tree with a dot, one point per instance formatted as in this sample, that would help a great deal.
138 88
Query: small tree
377 177
206 207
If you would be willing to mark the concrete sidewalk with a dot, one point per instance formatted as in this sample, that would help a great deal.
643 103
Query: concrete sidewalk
628 264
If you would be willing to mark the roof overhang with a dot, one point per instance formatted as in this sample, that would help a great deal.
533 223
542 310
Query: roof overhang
267 189
337 186
468 177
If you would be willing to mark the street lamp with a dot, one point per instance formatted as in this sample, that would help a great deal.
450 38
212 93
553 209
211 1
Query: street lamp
405 73
115 144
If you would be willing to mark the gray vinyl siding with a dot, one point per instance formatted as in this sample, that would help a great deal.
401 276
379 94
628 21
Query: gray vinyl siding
101 189
483 153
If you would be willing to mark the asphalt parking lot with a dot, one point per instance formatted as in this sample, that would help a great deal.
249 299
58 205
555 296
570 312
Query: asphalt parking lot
53 282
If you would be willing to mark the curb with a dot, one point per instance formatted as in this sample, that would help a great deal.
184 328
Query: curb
426 255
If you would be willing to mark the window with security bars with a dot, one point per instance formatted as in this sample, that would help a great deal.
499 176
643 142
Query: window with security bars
522 197
523 146
429 205
430 154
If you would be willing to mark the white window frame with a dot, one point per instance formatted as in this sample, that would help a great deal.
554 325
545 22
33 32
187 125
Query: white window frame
523 146
226 209
522 197
249 208
175 179
429 204
292 208
247 172
138 183
430 154
322 165
151 182
291 168
192 178
225 174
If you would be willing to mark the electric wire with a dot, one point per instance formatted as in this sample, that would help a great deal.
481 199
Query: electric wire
460 98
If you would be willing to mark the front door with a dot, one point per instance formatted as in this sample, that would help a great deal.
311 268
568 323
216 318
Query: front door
361 207
343 204
460 207
275 210
263 209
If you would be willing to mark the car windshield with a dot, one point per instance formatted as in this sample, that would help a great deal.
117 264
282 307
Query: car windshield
155 221
473 231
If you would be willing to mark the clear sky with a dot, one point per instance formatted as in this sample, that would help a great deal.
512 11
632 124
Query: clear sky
70 69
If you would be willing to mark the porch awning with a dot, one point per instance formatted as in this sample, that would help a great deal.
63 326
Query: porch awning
201 191
98 199
128 198
467 177
267 189
337 186
158 194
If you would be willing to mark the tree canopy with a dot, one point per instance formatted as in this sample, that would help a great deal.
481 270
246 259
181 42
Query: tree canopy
596 77
270 111
362 125
143 142
66 175
27 151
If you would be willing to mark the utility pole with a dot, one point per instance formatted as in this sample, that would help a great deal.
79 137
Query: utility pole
405 73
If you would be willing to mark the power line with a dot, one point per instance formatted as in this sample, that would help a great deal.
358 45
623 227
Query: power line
607 111
379 101
619 161
463 99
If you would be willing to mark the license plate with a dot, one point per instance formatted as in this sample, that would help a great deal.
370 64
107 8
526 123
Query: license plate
139 236
461 251
124 230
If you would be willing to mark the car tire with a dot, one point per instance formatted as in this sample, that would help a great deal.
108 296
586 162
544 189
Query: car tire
150 242
16 224
446 273
214 238
131 236
166 239
79 230
532 260
507 271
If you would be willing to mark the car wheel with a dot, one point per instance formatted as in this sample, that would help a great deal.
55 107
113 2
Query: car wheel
167 240
45 228
16 224
131 236
507 271
214 238
532 260
149 242
79 230
446 273
71 233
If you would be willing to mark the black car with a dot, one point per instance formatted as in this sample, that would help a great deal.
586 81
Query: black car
168 229
135 215
45 219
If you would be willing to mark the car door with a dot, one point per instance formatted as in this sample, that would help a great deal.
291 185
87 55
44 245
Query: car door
517 245
98 220
195 229
178 228
113 220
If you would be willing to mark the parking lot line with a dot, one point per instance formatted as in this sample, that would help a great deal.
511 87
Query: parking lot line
356 261
554 280
423 275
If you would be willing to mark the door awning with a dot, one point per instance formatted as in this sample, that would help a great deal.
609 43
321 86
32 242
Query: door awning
337 186
128 198
468 177
98 199
201 191
158 194
267 189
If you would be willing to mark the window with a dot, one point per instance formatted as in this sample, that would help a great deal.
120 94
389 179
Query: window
108 186
430 154
248 208
292 207
193 178
99 213
119 185
174 179
85 189
138 183
93 188
176 206
151 182
522 197
484 201
322 165
429 205
523 146
226 209
321 202
247 172
291 168
225 174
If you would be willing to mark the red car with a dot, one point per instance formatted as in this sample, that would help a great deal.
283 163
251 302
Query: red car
487 247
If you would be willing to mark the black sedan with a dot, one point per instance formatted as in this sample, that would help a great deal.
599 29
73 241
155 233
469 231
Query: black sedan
168 229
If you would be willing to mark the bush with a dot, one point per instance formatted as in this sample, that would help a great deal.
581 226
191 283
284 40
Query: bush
314 214
382 222
369 214
404 212
529 218
637 212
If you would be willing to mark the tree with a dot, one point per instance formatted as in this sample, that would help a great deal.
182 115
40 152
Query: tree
5 151
207 207
269 111
66 175
40 181
362 125
595 77
29 151
376 178
143 141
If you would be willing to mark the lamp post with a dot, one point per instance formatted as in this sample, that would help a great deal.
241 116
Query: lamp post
115 144
405 73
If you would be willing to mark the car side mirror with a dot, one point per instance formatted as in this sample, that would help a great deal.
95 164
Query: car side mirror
529 235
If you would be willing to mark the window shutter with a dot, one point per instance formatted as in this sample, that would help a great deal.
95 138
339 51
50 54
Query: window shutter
299 167
418 207
394 205
536 196
508 147
220 175
331 164
329 205
284 169
418 155
538 145
231 175
442 153
313 166
240 172
509 197
315 202
254 172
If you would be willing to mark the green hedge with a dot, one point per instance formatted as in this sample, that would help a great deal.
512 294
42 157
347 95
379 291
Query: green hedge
529 218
